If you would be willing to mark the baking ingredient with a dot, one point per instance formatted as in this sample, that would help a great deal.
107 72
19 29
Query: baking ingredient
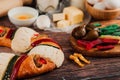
79 32
91 35
47 5
73 14
63 23
112 4
58 17
43 21
40 41
77 58
116 33
112 29
82 43
96 24
102 43
89 44
107 47
11 4
92 2
11 33
93 44
110 37
100 6
23 16
2 31
78 3
110 41
39 61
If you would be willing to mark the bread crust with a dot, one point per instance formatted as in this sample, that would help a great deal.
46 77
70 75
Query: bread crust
28 67
5 41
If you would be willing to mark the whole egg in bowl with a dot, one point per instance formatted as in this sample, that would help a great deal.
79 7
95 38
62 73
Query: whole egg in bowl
22 16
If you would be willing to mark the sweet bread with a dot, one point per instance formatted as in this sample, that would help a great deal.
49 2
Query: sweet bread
17 67
43 54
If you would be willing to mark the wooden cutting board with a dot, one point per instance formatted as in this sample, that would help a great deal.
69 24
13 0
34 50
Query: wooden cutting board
94 52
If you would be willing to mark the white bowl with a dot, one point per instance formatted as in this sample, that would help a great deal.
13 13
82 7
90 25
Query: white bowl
22 10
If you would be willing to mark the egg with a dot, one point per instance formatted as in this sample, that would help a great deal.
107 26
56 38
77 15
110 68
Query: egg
78 4
100 6
112 4
92 2
43 21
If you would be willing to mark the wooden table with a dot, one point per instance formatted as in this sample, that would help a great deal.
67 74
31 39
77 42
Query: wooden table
100 68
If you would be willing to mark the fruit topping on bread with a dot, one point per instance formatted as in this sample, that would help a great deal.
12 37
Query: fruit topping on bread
49 51
6 35
24 66
44 54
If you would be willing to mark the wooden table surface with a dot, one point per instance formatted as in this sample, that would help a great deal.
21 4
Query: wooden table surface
100 68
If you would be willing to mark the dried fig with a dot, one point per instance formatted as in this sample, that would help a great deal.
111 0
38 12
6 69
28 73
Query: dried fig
91 35
79 32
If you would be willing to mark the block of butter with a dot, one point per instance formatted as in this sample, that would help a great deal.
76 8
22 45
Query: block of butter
73 14
63 23
58 17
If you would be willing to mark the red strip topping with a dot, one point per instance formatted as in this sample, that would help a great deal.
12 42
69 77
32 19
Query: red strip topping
105 47
42 61
110 41
43 40
98 42
93 43
10 33
17 66
1 31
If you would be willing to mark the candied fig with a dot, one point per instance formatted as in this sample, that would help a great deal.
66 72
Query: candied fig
91 35
79 32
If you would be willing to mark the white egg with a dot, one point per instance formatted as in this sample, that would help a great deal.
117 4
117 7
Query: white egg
92 2
112 4
100 6
43 22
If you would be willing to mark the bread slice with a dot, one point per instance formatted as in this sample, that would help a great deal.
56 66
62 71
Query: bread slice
29 69
54 54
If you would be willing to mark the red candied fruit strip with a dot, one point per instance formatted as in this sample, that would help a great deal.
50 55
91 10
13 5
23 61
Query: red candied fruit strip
1 30
17 66
110 41
105 47
93 43
82 43
41 40
42 60
10 33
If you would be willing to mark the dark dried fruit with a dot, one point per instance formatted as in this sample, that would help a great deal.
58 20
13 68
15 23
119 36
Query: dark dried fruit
91 35
79 32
